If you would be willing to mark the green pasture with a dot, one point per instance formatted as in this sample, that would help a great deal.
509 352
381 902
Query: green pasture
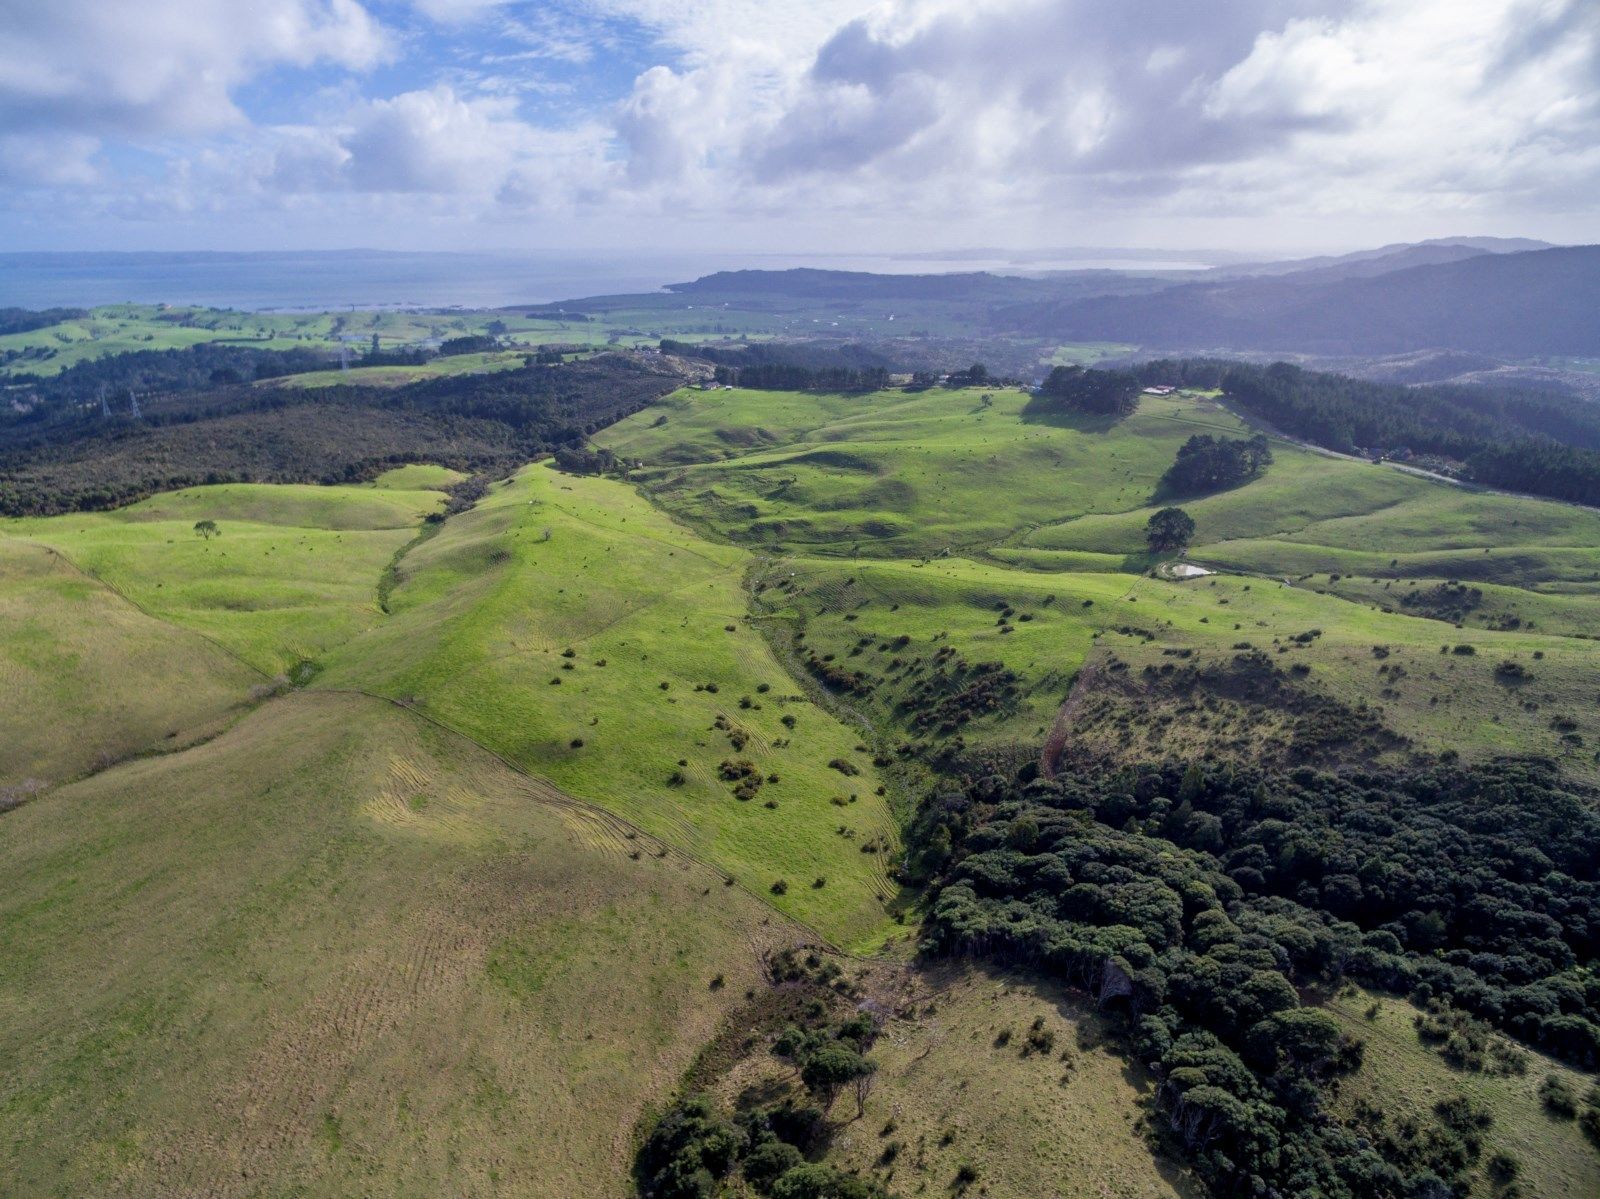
340 951
895 474
87 679
1444 700
399 376
573 628
292 572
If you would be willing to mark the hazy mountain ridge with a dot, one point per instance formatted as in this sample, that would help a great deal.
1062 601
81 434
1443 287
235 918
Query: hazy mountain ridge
1519 305
1394 256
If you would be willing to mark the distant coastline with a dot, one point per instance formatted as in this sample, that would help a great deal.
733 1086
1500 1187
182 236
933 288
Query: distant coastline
402 279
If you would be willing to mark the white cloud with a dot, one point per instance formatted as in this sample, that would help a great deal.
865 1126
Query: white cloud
1358 106
711 30
103 67
433 141
936 115
48 159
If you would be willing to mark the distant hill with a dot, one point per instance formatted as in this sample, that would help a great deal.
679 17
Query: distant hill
805 282
1518 304
1393 257
968 287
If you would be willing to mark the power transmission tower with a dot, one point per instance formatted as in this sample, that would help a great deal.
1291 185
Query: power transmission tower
133 403
105 408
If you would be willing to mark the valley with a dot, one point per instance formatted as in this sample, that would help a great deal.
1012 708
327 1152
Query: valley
437 830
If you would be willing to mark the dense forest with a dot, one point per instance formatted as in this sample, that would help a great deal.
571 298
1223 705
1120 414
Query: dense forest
1536 442
1203 903
252 434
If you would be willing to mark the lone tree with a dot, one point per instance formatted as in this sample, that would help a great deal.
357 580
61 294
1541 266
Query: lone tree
207 529
1169 529
831 1068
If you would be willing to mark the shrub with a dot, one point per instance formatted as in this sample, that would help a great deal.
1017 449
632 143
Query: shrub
770 1160
1557 1097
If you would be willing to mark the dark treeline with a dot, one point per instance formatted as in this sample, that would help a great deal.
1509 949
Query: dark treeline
23 320
781 376
210 364
792 366
1205 464
469 343
251 434
1091 392
1201 904
1535 442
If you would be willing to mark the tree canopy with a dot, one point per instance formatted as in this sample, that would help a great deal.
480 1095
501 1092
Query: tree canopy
1169 529
1200 901
1092 392
1205 464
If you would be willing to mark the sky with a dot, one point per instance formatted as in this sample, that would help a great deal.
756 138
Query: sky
829 126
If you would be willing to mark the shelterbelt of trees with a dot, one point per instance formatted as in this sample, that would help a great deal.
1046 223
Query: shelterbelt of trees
208 365
1201 903
24 320
1542 443
1539 442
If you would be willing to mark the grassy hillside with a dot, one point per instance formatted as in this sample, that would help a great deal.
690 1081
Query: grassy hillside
962 1086
338 951
1406 1078
566 624
892 473
615 603
1058 510
293 571
452 909
118 328
1312 513
1442 700
397 376
87 679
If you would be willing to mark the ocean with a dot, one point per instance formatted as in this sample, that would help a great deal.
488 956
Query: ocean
383 279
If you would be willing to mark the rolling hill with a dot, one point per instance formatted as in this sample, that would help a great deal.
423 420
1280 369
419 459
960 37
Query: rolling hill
417 848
